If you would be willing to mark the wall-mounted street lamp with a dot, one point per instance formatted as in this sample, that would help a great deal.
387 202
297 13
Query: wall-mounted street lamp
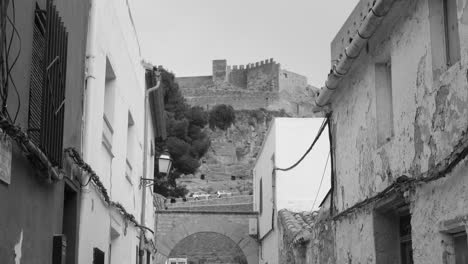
164 165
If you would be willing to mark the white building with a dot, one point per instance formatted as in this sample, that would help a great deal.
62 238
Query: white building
286 141
113 140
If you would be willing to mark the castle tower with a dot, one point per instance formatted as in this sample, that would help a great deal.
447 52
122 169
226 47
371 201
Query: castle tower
219 70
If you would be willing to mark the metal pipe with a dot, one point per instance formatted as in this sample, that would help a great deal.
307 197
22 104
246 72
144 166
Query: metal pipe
368 27
145 162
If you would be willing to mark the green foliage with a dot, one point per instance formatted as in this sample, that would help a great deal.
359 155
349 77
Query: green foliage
186 142
222 117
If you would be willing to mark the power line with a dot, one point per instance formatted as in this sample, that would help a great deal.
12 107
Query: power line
321 180
322 128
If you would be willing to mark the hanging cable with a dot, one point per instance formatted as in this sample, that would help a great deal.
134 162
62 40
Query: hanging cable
321 181
322 128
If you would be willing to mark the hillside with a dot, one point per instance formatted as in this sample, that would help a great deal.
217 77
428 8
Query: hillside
231 157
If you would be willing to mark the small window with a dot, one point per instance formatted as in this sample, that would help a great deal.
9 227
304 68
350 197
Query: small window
452 38
130 148
98 256
108 116
392 234
384 102
261 196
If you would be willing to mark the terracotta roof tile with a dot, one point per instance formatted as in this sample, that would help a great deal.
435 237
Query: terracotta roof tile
298 225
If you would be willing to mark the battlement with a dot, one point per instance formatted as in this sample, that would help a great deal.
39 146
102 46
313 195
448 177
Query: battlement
250 66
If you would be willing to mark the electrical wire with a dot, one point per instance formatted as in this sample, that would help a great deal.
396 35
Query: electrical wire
321 180
322 128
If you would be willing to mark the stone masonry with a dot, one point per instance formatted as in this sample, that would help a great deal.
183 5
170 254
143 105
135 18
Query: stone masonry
187 234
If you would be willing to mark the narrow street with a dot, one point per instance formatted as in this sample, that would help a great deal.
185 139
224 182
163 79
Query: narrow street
234 132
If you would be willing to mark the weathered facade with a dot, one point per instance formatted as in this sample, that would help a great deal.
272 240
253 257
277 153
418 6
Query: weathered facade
399 129
113 227
39 191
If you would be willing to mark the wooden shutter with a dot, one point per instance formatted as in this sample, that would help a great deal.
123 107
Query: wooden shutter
48 79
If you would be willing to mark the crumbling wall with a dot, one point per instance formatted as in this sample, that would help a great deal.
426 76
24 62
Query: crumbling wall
429 119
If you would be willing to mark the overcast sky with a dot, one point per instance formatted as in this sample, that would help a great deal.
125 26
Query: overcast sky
186 35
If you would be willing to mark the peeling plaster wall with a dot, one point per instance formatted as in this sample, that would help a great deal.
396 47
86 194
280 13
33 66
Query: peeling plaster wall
429 117
434 205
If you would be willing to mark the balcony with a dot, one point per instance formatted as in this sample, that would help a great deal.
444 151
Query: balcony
107 135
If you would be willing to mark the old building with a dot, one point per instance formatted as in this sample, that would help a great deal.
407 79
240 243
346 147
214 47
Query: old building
276 189
397 94
41 115
117 216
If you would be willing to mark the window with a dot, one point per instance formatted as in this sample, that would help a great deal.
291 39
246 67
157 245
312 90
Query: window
130 147
406 250
98 256
261 196
452 38
392 233
461 247
384 102
48 80
109 98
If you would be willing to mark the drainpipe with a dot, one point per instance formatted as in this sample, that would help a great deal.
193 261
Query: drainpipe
368 27
90 80
145 159
86 130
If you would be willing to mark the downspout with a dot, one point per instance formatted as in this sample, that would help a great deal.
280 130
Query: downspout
148 90
90 80
86 132
368 27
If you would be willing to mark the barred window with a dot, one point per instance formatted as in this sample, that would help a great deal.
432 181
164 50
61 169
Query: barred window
47 86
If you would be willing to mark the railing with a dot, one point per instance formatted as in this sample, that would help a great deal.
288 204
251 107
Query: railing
107 134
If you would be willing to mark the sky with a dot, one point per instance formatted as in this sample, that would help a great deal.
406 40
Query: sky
186 35
298 188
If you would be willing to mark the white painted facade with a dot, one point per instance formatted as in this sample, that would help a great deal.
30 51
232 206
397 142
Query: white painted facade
286 141
115 88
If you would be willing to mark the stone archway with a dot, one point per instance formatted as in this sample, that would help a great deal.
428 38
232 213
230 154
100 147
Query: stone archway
173 228
209 248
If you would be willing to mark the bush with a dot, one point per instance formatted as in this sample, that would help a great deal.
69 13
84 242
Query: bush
222 117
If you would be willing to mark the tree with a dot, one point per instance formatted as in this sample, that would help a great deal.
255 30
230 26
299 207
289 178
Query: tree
222 117
187 142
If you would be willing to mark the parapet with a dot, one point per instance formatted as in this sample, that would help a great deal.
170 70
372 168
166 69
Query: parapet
250 66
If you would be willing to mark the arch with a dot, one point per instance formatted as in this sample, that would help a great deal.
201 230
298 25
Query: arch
174 227
209 246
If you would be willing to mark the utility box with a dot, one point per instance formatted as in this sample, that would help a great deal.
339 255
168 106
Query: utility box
59 252
253 227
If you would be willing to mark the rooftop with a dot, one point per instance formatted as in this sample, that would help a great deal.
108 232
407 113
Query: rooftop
298 225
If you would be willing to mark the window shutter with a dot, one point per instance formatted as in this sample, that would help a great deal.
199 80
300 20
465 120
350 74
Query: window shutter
48 79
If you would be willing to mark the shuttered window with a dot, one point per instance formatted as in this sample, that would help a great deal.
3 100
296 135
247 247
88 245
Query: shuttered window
47 86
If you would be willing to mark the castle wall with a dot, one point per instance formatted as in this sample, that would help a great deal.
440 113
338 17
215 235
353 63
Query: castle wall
194 82
238 77
264 76
238 100
290 81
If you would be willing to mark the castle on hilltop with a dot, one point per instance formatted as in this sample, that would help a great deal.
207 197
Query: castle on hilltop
251 86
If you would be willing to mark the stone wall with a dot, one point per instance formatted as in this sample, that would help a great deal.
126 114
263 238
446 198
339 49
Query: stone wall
174 227
209 247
